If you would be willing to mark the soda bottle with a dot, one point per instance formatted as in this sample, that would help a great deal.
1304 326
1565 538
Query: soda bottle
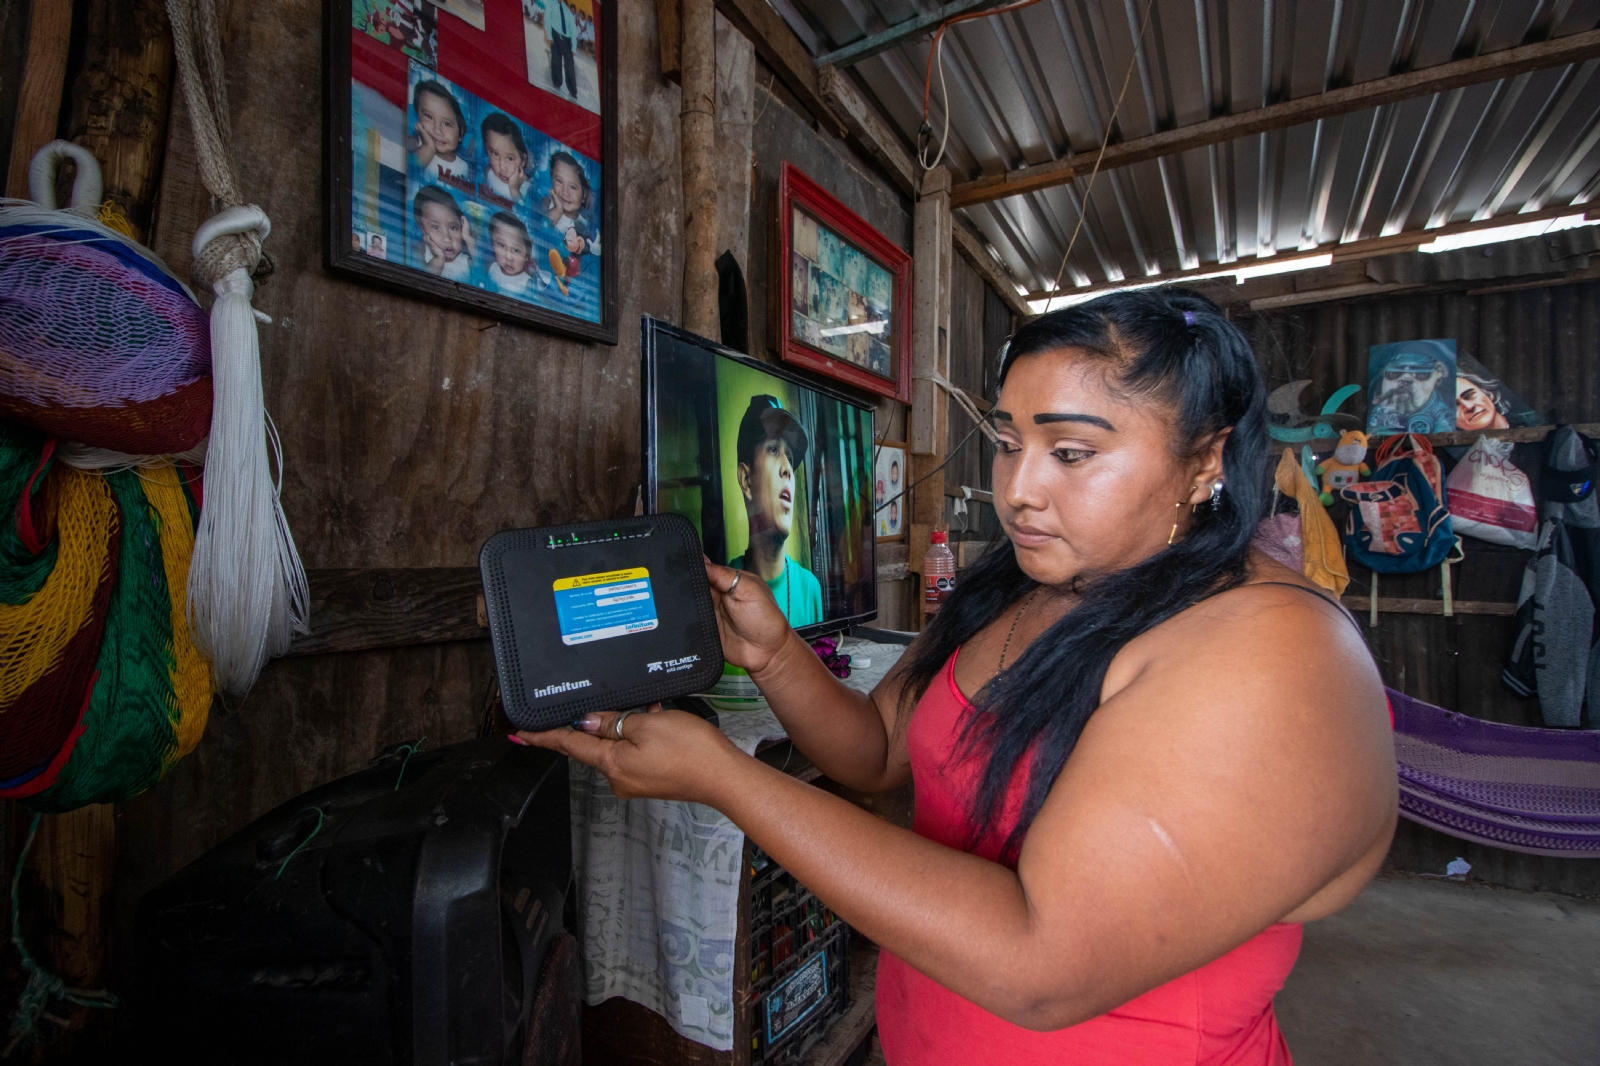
938 573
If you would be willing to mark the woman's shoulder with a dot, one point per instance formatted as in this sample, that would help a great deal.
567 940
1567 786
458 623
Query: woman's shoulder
1279 630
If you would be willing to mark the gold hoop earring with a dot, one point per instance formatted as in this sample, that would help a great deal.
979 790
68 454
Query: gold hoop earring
1174 534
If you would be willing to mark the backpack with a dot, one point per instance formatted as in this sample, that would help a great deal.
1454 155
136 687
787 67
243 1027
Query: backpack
1397 522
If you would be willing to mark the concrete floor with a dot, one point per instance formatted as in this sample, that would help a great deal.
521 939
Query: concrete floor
1422 972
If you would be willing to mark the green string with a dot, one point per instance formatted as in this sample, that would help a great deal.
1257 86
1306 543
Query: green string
42 986
322 816
409 750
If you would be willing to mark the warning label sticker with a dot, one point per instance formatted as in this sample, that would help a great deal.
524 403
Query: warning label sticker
599 606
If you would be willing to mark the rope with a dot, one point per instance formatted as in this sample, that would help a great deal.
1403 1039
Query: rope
959 395
247 591
43 986
1105 142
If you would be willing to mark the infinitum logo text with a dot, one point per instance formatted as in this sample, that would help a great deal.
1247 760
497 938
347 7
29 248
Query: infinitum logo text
565 686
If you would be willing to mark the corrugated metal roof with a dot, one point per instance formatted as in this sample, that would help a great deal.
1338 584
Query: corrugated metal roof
1030 86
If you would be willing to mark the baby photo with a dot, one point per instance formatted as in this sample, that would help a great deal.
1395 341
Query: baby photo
446 234
508 179
567 217
512 271
437 139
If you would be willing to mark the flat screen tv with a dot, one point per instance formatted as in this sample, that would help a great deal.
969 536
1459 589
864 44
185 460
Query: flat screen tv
773 470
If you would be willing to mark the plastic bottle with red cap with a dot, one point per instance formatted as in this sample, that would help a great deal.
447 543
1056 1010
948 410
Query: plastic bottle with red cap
938 573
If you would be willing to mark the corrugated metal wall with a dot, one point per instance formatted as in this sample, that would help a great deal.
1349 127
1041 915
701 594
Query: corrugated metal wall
1543 344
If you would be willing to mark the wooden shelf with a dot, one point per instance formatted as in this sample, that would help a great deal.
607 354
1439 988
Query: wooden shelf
1522 435
1361 605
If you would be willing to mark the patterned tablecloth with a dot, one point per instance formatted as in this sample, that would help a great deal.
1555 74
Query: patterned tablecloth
659 885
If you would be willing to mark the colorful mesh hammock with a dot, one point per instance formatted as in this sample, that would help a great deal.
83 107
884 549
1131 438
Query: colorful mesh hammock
99 342
1530 790
103 348
126 694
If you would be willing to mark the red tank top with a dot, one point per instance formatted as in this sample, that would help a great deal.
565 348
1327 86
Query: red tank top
1218 1014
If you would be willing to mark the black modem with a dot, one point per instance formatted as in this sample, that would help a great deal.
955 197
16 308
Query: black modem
601 616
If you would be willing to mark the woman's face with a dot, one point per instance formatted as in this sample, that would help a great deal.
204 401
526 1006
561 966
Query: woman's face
1085 481
504 159
566 186
438 118
1475 408
442 228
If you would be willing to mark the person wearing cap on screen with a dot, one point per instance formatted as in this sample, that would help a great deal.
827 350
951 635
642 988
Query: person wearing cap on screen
772 444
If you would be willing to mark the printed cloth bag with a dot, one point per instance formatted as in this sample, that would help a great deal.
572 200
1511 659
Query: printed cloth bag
1491 499
1419 451
1397 522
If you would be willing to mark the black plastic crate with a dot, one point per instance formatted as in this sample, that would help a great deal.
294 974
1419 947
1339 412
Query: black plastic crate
799 966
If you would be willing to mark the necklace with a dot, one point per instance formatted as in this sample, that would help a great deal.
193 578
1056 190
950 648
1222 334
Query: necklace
1013 630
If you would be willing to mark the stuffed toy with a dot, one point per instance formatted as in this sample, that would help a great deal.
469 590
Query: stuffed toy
1344 467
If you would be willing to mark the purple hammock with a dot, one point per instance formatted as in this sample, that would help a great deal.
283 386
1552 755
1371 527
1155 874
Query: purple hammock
1530 790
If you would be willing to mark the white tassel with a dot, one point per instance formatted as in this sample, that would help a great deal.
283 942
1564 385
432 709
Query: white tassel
247 589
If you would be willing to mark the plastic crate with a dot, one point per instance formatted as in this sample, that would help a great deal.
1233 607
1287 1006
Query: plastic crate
799 966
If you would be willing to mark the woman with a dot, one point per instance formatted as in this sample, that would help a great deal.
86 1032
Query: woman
1143 753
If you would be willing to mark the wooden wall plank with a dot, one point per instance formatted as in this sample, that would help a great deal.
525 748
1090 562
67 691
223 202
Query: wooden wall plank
411 433
392 607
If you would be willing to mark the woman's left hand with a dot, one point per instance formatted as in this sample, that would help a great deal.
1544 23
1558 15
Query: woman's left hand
662 754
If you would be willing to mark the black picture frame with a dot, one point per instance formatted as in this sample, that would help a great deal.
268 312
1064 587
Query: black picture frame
338 185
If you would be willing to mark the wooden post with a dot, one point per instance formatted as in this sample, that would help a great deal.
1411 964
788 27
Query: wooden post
698 146
43 80
930 352
120 100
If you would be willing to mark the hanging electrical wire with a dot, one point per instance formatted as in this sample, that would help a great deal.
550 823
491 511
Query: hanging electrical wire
935 57
1105 142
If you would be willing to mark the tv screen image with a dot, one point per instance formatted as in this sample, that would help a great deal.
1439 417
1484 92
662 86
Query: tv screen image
774 472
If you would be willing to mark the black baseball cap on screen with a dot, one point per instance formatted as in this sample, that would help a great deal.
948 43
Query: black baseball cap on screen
765 419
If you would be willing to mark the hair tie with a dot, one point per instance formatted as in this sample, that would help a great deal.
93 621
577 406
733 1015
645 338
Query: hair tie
1188 318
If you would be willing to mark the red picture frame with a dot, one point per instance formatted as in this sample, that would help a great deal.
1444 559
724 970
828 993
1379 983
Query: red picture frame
832 314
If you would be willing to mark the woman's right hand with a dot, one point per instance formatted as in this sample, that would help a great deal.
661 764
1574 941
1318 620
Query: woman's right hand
753 629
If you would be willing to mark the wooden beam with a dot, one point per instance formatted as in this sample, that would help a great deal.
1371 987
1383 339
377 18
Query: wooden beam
697 147
357 610
881 142
1374 246
781 50
897 34
1460 437
974 249
1574 48
1363 605
868 127
44 77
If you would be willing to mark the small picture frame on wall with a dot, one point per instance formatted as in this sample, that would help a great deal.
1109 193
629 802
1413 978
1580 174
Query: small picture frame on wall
890 476
842 292
472 155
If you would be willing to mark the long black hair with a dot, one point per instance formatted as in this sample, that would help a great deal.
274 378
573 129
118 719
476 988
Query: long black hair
1169 346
